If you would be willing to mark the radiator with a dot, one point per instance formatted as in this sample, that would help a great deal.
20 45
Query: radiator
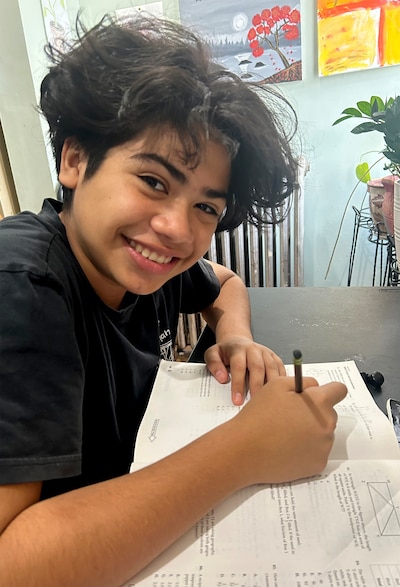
267 256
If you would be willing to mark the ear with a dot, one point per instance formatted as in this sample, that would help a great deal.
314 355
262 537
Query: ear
72 164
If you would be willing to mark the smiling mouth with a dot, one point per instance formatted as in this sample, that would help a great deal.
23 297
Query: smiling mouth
151 255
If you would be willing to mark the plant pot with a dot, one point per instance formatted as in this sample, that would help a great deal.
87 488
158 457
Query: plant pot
397 218
376 191
388 202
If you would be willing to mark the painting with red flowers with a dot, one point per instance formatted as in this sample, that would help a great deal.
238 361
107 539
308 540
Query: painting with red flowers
259 41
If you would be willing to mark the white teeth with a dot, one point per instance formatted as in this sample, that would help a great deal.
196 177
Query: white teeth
149 255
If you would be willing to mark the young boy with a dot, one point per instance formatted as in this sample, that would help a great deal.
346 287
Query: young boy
156 148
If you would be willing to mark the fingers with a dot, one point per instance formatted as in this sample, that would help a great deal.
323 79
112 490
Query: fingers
237 372
286 384
337 391
251 370
307 382
216 365
263 364
321 401
291 434
250 366
318 399
329 394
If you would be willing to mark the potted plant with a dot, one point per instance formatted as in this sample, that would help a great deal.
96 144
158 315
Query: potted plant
382 116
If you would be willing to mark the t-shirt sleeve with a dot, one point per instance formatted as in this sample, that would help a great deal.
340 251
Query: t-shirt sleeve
41 382
200 287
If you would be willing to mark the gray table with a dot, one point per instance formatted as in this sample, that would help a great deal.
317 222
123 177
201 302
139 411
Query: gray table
331 324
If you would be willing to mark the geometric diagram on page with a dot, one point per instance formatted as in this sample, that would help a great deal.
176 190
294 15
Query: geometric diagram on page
385 511
319 374
315 372
308 370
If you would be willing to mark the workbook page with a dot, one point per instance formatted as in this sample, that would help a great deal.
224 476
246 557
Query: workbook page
341 528
363 430
187 401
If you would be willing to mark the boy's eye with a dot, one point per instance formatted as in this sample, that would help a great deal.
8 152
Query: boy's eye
153 182
208 209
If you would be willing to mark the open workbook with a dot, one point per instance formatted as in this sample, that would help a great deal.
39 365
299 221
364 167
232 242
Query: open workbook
338 529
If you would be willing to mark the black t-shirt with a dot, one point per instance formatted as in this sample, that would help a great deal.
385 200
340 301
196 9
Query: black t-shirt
75 374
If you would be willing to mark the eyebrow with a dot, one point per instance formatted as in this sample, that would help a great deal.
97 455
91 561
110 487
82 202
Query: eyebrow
176 173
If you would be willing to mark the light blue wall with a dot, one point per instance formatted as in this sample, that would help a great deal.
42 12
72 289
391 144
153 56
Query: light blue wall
333 152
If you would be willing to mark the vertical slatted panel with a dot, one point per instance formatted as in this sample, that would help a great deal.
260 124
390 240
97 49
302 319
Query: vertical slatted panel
253 240
268 255
298 223
284 252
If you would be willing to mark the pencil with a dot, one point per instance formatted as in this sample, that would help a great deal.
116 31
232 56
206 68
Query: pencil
298 372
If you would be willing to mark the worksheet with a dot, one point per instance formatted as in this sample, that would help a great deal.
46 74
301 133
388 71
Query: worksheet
338 529
187 401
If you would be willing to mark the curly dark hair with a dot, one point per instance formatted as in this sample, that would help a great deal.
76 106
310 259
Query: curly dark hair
119 80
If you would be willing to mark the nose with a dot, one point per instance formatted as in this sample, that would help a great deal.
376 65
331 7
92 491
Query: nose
174 222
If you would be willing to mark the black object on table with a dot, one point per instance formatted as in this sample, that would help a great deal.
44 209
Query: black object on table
329 324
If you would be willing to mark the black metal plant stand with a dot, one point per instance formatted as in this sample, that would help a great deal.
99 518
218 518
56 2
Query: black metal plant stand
385 263
393 269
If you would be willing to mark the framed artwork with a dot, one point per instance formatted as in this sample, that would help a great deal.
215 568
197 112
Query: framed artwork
259 41
155 8
56 23
357 34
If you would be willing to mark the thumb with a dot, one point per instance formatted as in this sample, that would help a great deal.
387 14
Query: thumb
331 393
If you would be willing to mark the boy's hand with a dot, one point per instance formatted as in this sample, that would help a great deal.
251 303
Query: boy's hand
283 435
250 364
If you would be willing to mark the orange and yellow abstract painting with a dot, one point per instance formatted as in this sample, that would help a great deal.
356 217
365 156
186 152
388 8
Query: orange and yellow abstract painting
357 34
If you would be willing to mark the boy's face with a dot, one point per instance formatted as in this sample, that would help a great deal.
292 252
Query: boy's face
144 216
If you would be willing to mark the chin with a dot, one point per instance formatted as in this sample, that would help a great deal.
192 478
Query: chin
145 290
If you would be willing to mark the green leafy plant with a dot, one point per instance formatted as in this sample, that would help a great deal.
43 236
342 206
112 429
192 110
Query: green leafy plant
382 116
374 115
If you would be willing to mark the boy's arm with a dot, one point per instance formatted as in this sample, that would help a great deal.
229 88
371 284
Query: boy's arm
103 534
229 317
